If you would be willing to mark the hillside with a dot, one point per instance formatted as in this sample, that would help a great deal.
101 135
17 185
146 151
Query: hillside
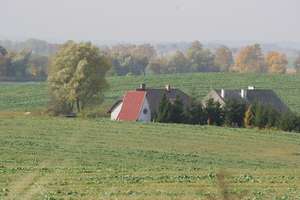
32 96
58 158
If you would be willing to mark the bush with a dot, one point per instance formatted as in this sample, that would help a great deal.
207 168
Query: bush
234 111
290 122
214 113
196 114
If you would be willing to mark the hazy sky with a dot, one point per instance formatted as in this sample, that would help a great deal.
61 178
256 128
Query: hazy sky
151 20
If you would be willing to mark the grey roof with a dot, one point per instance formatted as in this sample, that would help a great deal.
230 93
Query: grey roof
154 97
263 96
231 94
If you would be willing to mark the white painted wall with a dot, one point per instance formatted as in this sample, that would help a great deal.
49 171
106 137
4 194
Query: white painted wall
114 114
145 117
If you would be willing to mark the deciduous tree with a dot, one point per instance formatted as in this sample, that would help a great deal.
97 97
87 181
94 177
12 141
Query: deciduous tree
201 60
276 62
250 59
77 76
224 58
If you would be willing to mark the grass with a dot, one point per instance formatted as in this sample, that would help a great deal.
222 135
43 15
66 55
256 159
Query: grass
58 158
33 96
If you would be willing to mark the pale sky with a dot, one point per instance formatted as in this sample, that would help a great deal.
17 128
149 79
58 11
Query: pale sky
151 20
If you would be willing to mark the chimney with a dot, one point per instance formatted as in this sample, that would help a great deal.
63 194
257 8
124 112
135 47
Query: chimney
142 86
223 93
243 93
250 87
168 87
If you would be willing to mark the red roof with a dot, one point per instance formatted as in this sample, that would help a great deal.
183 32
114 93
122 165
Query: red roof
132 105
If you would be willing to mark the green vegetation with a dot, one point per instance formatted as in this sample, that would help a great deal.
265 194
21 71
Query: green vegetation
59 158
77 78
33 96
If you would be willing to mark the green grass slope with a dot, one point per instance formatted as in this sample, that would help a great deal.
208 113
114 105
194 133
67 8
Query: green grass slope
58 158
32 96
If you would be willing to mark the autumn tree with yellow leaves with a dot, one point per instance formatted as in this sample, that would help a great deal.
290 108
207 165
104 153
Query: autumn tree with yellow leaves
276 62
224 58
250 59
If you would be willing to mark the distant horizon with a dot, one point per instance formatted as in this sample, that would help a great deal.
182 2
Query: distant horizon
158 21
105 42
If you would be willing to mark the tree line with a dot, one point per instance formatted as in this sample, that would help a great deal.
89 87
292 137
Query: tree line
235 113
23 65
32 63
143 59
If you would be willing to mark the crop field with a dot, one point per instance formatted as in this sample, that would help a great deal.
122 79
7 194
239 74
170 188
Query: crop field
53 158
58 158
33 96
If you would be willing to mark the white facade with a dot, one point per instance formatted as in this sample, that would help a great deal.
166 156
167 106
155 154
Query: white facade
115 113
145 113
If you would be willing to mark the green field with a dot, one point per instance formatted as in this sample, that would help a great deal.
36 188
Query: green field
58 158
52 158
32 96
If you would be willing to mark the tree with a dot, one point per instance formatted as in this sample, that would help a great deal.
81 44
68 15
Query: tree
163 114
276 62
290 122
178 63
176 114
4 62
234 111
250 59
223 59
19 64
131 59
3 51
195 113
249 117
157 66
260 116
214 113
77 76
38 66
201 60
297 64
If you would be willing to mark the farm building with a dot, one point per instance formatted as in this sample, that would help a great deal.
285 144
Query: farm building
250 95
142 104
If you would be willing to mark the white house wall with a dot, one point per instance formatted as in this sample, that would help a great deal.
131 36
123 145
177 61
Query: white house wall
145 117
115 113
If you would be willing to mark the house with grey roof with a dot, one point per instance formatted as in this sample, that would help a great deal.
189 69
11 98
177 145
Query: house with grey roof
143 103
251 95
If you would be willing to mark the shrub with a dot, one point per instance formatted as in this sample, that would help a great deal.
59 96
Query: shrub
176 112
234 111
290 122
214 113
195 114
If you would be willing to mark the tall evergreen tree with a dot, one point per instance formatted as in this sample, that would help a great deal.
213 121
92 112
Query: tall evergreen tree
163 110
214 113
234 113
195 113
176 114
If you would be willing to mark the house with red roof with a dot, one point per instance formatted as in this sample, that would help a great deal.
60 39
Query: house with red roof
142 104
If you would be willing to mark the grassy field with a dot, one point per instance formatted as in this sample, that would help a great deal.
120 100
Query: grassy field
58 158
33 96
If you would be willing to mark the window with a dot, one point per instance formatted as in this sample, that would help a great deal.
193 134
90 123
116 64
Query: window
145 111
